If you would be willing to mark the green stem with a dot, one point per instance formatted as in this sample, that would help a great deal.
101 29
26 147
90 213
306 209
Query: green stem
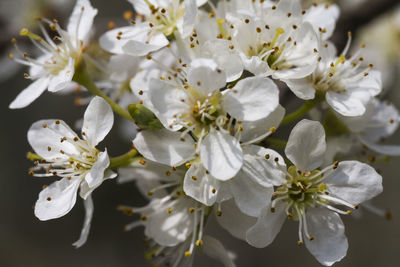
276 142
302 111
122 160
83 78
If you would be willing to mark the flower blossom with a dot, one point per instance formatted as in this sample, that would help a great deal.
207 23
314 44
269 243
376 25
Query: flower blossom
55 69
77 161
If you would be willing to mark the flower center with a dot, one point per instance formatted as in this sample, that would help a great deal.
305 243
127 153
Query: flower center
165 20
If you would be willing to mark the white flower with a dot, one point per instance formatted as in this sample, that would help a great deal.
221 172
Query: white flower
323 18
55 69
345 83
278 43
75 160
198 107
308 196
380 121
161 19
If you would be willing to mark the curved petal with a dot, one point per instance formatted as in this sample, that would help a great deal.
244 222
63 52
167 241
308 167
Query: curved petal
221 155
345 104
169 102
254 129
306 145
45 138
389 150
354 182
205 76
85 191
330 243
301 88
57 199
249 196
216 250
165 147
89 208
30 94
200 185
261 165
81 20
252 99
189 18
95 177
63 78
267 227
323 17
98 121
234 221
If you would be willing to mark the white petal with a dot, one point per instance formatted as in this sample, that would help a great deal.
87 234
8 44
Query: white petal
165 147
30 94
301 88
200 185
81 20
267 227
345 104
46 141
141 7
169 102
85 191
189 18
250 197
171 229
98 121
205 76
389 150
354 182
372 83
143 47
306 145
289 6
63 78
89 208
324 17
57 199
109 42
252 99
221 155
234 221
227 59
329 244
216 250
95 177
261 170
252 130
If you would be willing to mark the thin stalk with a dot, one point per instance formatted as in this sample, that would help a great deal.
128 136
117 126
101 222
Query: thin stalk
123 160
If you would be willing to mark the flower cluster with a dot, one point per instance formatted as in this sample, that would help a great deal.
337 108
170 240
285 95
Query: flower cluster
202 82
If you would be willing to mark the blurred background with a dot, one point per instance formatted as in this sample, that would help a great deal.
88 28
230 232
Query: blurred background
25 241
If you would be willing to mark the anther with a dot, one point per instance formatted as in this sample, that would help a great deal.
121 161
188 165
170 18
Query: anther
194 178
142 162
199 243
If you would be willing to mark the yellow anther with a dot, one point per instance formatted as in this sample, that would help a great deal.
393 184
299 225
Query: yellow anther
240 128
199 243
191 209
26 32
169 210
188 165
349 212
188 254
272 129
322 187
10 55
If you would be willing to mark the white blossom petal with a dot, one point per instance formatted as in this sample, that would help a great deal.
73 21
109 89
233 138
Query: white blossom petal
95 177
345 104
389 150
89 208
306 145
200 185
252 99
189 18
165 147
234 221
64 78
323 17
330 243
98 121
221 155
302 88
45 138
81 20
354 182
216 250
30 94
85 191
205 76
267 227
57 199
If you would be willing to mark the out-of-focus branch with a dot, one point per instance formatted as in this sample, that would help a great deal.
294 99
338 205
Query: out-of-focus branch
354 18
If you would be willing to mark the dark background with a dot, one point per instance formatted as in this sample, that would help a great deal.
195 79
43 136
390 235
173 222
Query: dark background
25 241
